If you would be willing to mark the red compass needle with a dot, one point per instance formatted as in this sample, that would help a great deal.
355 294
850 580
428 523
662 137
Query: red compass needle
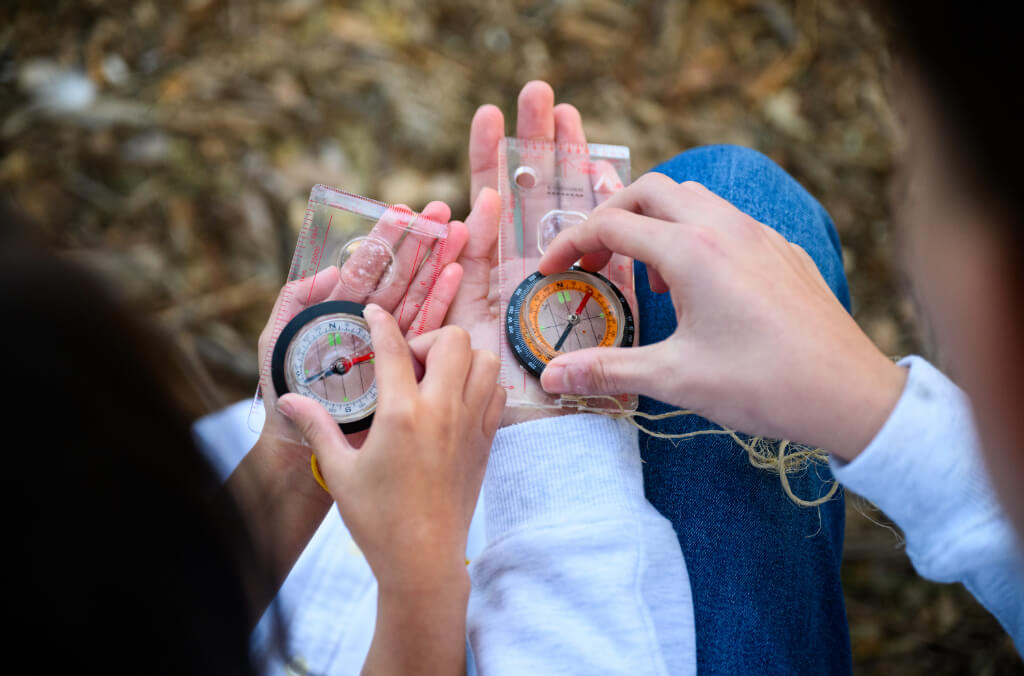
574 319
583 303
340 367
359 360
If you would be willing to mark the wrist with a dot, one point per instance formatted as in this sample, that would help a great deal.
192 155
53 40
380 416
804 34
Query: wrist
880 392
450 582
283 471
421 632
423 575
279 498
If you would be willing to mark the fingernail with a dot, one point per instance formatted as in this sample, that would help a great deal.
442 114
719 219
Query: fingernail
371 309
553 378
565 379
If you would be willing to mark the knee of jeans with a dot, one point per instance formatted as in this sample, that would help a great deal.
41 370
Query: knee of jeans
758 186
749 179
718 166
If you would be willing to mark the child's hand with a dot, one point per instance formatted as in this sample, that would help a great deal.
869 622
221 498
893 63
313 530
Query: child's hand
476 306
408 494
273 484
328 284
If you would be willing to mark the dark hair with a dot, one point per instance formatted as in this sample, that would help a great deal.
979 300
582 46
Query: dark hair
127 553
968 58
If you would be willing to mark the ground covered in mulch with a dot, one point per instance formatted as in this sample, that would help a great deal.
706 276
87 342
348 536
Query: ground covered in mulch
173 148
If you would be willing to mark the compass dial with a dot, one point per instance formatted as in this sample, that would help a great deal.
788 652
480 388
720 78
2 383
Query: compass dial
325 353
568 311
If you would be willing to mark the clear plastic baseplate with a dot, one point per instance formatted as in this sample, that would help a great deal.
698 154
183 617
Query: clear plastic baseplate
353 248
546 188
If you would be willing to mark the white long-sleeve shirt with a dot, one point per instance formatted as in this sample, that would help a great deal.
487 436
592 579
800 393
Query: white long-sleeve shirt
924 470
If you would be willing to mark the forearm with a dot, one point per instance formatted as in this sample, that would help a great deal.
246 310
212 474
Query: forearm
421 631
282 505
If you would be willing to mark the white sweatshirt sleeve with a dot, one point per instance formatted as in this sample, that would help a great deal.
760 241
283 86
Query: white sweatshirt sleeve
580 573
924 470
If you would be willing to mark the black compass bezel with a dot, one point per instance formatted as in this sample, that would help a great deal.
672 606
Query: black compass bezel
513 331
288 333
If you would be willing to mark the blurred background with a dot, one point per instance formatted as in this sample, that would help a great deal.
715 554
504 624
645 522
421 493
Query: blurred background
172 146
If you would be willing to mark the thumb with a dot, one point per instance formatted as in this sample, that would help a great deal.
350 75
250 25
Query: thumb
607 370
334 454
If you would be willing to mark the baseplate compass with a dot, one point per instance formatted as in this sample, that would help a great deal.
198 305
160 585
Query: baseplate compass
564 312
325 353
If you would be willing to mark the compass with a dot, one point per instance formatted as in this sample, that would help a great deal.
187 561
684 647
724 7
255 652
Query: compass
564 312
325 353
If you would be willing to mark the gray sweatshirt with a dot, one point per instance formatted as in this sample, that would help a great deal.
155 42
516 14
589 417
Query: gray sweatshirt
580 574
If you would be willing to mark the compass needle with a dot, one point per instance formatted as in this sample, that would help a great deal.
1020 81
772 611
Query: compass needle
331 342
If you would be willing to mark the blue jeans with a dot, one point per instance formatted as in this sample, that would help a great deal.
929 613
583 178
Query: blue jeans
764 572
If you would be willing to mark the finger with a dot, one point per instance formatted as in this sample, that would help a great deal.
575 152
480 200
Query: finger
478 259
482 224
445 251
535 121
479 255
595 261
416 246
605 180
611 231
437 210
361 274
435 306
334 454
656 281
536 117
485 134
483 376
658 196
394 373
608 370
447 363
414 243
571 144
568 124
420 345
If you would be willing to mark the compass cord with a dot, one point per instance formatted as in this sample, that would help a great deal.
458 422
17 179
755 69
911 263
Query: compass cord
782 456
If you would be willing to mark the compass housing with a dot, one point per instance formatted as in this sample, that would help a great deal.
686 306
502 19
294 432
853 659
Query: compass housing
573 310
322 353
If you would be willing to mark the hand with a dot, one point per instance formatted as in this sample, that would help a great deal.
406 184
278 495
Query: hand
405 294
476 306
273 484
408 495
762 345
